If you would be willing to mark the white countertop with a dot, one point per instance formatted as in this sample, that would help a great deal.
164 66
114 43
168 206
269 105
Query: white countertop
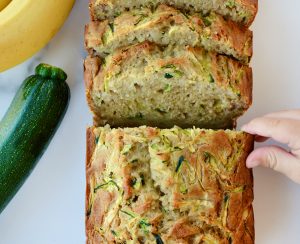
50 206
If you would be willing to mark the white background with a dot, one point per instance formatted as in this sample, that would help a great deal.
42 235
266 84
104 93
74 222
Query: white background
50 206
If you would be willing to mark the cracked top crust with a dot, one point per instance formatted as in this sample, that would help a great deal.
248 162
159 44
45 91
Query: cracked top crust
168 26
149 185
242 11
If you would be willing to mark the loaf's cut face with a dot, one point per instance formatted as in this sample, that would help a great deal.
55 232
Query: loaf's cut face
148 185
242 11
147 85
168 26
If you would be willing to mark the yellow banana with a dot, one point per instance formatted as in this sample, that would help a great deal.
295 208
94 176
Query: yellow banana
26 26
4 3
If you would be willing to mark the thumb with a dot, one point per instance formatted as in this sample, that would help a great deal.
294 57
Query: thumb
278 159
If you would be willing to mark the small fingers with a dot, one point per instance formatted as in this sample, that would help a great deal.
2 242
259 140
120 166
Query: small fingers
278 159
285 131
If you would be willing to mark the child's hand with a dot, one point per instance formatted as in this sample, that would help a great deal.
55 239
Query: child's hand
283 127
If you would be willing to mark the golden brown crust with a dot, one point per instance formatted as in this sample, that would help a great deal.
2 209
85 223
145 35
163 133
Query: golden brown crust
91 70
238 222
92 66
92 32
92 12
252 5
236 75
240 37
125 54
242 173
245 232
227 73
230 191
243 11
211 32
90 148
246 90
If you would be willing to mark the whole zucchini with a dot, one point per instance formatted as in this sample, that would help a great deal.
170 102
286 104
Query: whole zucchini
28 126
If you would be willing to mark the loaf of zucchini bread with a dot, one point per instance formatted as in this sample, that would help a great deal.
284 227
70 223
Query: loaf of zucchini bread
145 84
169 26
242 11
149 185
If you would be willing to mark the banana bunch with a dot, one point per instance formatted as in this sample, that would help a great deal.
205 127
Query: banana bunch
26 26
4 3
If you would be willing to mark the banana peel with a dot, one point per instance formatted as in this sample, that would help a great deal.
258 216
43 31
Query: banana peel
4 3
26 26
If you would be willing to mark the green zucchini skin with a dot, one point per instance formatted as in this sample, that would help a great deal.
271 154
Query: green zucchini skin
29 125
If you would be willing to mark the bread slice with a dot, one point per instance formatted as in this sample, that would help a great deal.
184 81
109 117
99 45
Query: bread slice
149 185
242 11
167 25
146 85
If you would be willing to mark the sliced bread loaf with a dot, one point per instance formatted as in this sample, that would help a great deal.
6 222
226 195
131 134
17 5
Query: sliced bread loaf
146 85
148 185
167 25
242 11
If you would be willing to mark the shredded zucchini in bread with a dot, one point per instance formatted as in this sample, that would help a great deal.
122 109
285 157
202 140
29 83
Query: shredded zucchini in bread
242 11
146 85
169 26
148 185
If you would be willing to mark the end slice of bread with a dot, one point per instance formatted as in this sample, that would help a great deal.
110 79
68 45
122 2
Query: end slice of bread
242 11
177 186
146 85
169 26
